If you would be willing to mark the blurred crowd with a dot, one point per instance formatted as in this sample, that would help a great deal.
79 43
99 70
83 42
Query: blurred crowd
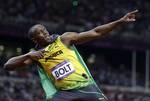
20 90
25 90
106 73
85 13
25 86
127 96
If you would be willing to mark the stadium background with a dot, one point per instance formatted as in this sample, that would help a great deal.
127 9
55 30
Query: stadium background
119 62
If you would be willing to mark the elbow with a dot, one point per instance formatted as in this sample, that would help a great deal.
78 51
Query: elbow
7 67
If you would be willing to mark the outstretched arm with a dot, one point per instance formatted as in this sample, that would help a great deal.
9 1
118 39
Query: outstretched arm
98 32
22 60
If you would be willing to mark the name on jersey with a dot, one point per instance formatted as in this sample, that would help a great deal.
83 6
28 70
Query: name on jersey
54 54
63 70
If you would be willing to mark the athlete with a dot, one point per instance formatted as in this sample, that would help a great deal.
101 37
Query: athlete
56 55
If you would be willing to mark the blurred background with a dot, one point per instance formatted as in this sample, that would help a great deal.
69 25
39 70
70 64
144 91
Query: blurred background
119 62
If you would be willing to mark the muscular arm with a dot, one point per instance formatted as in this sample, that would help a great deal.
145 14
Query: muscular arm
98 32
22 60
17 62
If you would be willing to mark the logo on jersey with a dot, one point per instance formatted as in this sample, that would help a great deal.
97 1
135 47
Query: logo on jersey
54 55
63 70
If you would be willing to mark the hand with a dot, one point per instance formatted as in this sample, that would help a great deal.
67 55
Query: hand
129 17
36 55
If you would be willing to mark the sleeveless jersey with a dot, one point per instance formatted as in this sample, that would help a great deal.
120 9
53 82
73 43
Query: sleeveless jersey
63 67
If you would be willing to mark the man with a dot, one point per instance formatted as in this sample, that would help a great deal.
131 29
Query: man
62 64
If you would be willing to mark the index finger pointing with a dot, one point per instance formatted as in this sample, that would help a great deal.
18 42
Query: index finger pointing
134 12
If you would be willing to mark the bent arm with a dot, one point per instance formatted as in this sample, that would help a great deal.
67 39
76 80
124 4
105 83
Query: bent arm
23 60
17 62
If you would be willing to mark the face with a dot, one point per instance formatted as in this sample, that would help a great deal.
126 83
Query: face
41 35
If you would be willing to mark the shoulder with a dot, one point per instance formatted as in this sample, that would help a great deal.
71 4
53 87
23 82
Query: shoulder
68 37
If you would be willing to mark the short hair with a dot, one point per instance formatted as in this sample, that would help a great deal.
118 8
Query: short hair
33 30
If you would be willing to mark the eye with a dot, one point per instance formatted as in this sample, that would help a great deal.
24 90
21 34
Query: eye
44 33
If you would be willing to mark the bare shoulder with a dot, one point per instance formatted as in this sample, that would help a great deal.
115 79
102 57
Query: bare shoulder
68 37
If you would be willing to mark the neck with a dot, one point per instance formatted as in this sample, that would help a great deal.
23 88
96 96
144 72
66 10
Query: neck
44 44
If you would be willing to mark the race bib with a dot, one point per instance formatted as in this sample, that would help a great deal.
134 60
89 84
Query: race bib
63 70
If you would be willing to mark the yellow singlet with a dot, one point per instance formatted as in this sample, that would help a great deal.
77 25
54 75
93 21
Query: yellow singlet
63 67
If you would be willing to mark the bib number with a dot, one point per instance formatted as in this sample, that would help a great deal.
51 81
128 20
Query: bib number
62 70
